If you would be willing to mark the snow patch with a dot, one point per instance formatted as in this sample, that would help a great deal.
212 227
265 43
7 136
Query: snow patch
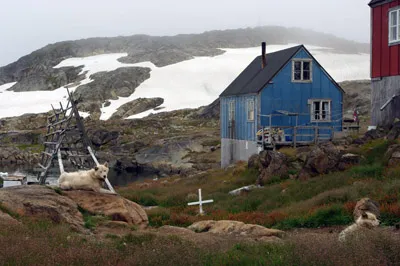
188 84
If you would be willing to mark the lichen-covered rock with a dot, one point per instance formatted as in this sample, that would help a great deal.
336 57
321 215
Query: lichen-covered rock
41 202
113 206
273 164
228 227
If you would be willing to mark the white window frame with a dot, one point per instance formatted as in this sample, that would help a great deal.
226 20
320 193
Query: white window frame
318 117
394 25
250 110
231 110
302 80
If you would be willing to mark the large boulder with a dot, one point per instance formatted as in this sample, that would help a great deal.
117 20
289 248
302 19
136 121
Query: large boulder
392 155
366 205
113 206
41 202
272 164
227 227
321 160
348 160
394 133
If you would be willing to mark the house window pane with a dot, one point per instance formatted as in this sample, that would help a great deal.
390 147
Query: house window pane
297 66
306 75
306 66
297 75
393 18
393 33
316 110
250 110
325 110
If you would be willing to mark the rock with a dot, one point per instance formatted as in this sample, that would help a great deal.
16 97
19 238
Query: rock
114 206
121 82
6 219
41 202
208 112
137 106
254 162
366 204
394 133
227 227
321 160
272 164
392 155
348 160
102 136
241 190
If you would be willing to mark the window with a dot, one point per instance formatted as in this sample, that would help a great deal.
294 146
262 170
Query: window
250 110
320 110
302 70
231 110
394 26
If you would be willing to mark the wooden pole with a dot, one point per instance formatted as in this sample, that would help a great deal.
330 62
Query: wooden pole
97 163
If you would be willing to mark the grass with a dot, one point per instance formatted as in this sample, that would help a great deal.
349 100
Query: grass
35 148
326 200
91 220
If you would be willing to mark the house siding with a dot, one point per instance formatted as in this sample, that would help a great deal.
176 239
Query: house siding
385 58
382 91
244 129
283 94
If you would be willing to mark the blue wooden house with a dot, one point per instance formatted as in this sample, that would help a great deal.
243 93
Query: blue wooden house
281 98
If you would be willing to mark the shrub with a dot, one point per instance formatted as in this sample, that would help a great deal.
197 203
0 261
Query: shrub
325 216
158 216
362 171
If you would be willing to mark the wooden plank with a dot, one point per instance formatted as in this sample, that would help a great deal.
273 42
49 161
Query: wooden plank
376 41
385 51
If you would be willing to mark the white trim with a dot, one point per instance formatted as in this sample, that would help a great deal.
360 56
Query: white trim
302 60
250 110
396 26
313 114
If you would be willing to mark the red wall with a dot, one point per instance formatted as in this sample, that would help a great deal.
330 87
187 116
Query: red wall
385 58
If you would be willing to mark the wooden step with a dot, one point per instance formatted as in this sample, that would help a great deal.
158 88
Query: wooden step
50 143
47 153
59 122
55 132
43 167
59 113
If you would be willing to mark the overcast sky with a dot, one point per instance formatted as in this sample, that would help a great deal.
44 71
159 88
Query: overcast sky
27 25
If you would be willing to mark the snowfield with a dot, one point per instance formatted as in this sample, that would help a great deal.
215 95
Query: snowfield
188 84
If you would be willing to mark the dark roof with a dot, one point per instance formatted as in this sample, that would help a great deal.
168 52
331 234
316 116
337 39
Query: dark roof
374 3
254 78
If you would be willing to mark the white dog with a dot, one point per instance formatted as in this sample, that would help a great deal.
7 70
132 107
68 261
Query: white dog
366 220
85 180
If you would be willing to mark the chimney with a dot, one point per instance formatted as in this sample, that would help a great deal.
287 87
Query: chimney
264 59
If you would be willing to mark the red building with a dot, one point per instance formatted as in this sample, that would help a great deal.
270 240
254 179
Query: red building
385 61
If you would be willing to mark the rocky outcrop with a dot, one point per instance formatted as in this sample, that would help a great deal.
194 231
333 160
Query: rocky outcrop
113 206
271 164
102 137
322 159
13 155
394 132
208 112
137 106
24 122
227 227
41 202
121 82
392 155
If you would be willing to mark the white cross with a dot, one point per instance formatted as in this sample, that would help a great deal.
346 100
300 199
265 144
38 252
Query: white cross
200 202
